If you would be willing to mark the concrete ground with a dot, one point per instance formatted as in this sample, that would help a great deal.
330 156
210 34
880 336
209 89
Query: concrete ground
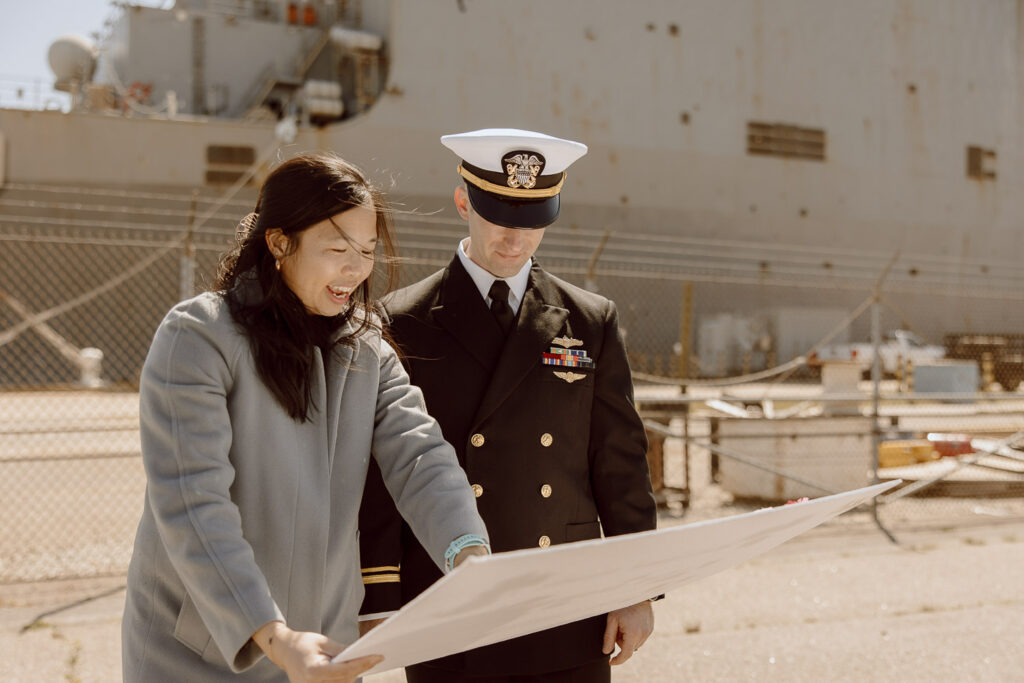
840 603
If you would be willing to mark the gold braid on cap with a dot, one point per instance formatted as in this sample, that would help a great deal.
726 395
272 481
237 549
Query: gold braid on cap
516 192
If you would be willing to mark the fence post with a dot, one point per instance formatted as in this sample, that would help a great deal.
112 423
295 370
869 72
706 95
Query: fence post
686 451
685 331
187 277
685 335
713 439
590 280
988 375
876 380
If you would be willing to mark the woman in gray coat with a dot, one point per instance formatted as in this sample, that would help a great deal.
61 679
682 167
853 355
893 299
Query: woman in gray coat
261 404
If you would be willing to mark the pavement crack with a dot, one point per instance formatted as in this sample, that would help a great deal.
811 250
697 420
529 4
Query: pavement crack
41 618
72 664
71 674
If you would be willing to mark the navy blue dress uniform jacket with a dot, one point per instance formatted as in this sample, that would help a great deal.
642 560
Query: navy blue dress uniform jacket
551 461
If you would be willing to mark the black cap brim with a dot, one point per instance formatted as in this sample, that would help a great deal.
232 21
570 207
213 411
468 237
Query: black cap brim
528 214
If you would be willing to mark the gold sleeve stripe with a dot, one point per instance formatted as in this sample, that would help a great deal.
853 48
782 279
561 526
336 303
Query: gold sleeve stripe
383 578
516 192
371 570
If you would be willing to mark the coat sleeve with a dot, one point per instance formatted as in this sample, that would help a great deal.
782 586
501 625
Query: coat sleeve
618 444
420 472
186 436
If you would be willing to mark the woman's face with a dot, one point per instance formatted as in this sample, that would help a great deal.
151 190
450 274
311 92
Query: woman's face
324 268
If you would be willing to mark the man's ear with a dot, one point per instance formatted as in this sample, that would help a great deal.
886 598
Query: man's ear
277 242
462 204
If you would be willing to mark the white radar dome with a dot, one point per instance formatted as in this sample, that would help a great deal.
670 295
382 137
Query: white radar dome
72 58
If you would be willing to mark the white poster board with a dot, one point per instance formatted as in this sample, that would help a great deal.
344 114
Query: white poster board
490 599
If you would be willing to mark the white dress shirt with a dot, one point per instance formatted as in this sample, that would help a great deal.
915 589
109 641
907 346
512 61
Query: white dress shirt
483 280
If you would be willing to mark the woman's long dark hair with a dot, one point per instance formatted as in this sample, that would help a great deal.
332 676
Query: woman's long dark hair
297 195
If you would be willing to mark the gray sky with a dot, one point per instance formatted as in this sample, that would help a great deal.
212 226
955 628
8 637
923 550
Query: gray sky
28 27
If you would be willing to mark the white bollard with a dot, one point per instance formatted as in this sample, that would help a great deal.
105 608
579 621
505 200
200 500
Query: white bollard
90 362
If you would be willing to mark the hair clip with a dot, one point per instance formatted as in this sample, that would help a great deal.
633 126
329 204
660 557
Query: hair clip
245 226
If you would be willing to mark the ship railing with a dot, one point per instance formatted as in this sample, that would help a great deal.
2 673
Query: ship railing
19 92
50 213
270 77
64 190
231 8
311 53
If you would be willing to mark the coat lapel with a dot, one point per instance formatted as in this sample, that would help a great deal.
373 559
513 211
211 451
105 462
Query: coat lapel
337 373
464 314
538 323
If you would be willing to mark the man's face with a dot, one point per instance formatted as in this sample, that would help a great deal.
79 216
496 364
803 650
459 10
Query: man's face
502 252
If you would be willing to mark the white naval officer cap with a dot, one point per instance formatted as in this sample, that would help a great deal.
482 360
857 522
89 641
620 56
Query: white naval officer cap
514 176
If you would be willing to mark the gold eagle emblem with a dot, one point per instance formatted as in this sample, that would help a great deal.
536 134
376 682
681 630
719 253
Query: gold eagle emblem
569 377
523 170
566 342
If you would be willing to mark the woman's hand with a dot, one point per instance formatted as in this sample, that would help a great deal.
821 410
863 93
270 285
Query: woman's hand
479 550
306 656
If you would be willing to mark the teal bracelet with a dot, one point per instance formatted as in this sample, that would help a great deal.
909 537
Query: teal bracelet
456 546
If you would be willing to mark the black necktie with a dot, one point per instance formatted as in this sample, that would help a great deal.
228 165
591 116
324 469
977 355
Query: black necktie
499 305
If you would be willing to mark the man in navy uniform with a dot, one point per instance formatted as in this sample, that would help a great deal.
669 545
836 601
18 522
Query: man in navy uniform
527 376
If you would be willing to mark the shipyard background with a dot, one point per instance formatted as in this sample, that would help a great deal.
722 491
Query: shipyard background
736 340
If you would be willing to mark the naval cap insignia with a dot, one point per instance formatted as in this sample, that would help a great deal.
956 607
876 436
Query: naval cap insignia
566 342
523 169
569 377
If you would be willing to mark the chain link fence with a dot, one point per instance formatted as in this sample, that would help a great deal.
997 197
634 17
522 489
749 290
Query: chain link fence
752 362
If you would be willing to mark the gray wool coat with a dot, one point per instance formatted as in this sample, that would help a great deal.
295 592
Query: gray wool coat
251 516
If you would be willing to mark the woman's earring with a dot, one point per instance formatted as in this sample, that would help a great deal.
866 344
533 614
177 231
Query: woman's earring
277 263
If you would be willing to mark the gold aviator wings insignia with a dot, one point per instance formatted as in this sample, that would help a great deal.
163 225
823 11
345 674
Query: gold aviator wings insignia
567 342
569 377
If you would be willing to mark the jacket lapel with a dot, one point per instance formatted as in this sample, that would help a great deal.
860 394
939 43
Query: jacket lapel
464 314
538 323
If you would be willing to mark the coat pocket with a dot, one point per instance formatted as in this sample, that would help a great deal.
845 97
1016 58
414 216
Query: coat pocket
582 532
190 630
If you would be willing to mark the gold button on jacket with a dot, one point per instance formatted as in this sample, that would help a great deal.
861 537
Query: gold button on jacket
544 542
545 490
546 439
477 440
478 490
